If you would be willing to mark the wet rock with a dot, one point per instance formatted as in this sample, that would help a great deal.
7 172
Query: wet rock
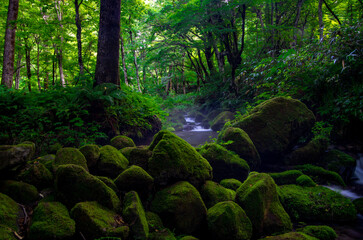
70 155
12 155
219 121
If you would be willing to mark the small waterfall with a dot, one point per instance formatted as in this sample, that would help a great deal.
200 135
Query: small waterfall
358 174
193 126
345 192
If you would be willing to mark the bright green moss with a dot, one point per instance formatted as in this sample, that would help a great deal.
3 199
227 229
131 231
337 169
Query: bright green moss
213 193
9 211
290 236
94 221
38 175
320 175
51 221
120 142
19 191
310 153
189 238
227 220
231 183
305 181
92 153
287 177
111 162
219 121
321 232
316 203
70 155
358 203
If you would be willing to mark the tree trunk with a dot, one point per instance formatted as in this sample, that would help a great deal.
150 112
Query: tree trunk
60 50
298 12
321 24
135 61
108 52
9 45
331 11
18 68
79 36
37 41
27 60
123 60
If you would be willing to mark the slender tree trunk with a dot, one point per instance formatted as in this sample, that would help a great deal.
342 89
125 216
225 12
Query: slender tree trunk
167 87
9 45
37 41
298 12
18 68
331 11
123 59
135 61
28 64
57 4
79 36
321 24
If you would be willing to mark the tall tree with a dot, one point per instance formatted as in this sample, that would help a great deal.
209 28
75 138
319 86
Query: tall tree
79 36
9 46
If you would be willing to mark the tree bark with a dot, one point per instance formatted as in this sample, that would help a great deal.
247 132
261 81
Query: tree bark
18 68
28 64
9 45
79 36
135 61
108 52
60 50
321 24
298 12
37 41
123 60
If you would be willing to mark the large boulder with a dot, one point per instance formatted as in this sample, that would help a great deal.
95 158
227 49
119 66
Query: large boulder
316 204
92 153
70 155
173 159
231 183
95 221
227 220
258 197
239 142
322 232
180 206
291 236
320 175
51 221
339 162
225 164
286 177
275 126
74 184
19 191
120 142
12 155
137 156
213 193
219 121
9 211
38 175
111 162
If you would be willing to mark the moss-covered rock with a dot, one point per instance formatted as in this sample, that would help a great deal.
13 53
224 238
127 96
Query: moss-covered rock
316 203
9 211
111 162
275 126
51 221
305 181
180 206
53 148
258 197
120 142
311 153
286 177
225 164
322 232
137 179
320 175
70 155
189 238
134 214
174 159
213 193
7 233
92 153
12 155
109 182
137 156
339 162
239 142
358 203
231 183
94 221
227 220
47 161
219 121
19 191
291 236
38 175
154 222
74 184
164 234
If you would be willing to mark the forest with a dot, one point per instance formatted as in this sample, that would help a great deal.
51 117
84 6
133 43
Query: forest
189 119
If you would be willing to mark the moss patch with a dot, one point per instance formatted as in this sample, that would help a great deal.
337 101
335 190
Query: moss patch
358 203
137 156
339 162
305 181
19 191
213 193
320 175
231 183
287 177
38 175
7 233
70 155
310 153
108 182
219 121
321 232
120 142
291 236
111 162
154 221
92 153
9 211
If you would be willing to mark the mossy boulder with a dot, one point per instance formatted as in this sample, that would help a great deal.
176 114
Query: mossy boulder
225 164
92 153
231 183
316 204
291 236
180 206
189 238
320 175
19 191
275 126
70 155
51 220
213 193
134 214
219 121
38 175
311 153
137 155
7 233
95 221
74 184
111 162
154 222
358 203
164 234
173 159
9 211
137 179
12 155
109 182
227 220
286 177
239 142
258 197
339 162
120 142
305 181
321 232
53 148
47 161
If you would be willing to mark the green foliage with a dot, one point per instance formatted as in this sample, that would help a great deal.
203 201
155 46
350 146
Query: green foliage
322 130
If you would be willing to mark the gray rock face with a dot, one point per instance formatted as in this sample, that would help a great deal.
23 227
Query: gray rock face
12 155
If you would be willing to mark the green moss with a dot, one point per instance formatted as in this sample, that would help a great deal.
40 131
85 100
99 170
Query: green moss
339 162
70 155
154 221
227 220
164 234
321 232
137 179
287 177
239 142
231 183
92 153
137 156
258 197
213 193
320 175
74 184
111 162
358 203
7 233
180 206
51 221
120 142
188 238
134 214
94 221
54 148
9 211
219 121
19 191
316 203
225 164
305 181
310 153
290 236
38 175
47 161
174 159
108 182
